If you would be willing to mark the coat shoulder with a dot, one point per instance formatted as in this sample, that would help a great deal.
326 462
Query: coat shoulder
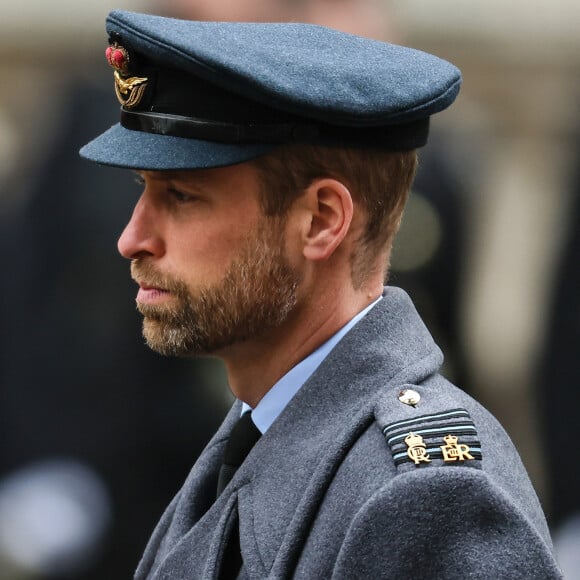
434 424
435 471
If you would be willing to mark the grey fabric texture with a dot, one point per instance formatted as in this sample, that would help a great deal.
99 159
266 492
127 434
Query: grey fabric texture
320 496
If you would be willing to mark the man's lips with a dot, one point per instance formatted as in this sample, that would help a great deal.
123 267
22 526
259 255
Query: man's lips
151 294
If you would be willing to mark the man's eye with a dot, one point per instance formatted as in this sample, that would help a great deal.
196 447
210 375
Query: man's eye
139 180
179 196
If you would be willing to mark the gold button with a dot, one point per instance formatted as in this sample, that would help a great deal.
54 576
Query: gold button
409 397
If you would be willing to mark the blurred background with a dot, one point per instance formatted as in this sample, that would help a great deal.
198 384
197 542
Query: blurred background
97 433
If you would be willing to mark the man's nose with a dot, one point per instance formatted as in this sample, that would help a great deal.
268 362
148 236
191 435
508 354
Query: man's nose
141 235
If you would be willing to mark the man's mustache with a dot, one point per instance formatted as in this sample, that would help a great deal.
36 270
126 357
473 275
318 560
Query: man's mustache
146 275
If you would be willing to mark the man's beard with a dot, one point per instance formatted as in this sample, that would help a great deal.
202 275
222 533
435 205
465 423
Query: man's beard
256 294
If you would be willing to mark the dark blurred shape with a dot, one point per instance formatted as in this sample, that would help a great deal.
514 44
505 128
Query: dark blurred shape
429 252
76 380
558 387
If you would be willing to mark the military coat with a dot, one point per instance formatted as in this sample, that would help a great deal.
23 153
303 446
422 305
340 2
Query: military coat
350 482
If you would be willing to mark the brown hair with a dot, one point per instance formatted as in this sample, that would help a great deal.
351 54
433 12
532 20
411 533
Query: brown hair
379 182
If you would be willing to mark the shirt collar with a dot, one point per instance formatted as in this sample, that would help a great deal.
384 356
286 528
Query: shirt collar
276 399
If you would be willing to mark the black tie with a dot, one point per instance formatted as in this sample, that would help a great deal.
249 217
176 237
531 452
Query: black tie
243 437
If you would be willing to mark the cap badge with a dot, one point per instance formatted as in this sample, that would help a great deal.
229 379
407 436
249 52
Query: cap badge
129 90
417 450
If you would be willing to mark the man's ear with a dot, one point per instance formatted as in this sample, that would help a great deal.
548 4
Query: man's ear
331 210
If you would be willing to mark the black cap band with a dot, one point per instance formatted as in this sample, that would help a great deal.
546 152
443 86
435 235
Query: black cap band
192 128
394 137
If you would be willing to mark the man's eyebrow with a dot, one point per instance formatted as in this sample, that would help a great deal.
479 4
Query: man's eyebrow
167 175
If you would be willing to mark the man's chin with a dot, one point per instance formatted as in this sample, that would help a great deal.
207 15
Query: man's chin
163 340
175 341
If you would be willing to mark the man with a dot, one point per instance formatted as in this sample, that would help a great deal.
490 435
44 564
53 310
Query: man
275 160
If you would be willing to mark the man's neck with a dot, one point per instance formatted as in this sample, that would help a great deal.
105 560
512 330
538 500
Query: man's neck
254 366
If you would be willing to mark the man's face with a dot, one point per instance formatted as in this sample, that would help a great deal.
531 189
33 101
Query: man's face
212 269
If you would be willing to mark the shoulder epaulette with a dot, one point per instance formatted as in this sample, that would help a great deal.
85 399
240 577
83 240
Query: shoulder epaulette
448 437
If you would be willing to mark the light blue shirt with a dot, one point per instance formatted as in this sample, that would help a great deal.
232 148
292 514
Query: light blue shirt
276 399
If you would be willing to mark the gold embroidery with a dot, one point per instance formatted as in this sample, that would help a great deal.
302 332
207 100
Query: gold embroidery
417 449
454 451
130 90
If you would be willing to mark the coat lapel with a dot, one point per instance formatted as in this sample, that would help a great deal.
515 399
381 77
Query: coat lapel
191 505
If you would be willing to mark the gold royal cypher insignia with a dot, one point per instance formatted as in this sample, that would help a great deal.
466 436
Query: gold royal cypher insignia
454 451
417 449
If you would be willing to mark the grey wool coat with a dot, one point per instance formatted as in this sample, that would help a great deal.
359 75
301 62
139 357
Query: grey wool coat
335 489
